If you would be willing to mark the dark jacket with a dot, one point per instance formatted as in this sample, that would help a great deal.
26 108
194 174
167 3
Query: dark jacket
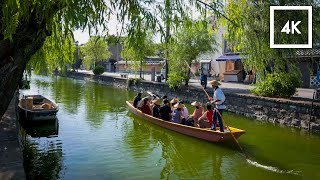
165 112
136 100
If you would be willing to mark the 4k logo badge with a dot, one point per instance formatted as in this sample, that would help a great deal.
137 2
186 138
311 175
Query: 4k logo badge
299 26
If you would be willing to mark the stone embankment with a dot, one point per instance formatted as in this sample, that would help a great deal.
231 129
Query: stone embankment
11 162
293 113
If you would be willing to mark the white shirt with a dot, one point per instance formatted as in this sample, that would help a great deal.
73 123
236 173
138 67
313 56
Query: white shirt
185 112
218 95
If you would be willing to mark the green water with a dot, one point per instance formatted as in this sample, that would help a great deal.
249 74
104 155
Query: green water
96 137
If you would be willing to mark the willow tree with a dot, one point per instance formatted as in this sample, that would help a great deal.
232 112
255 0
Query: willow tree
189 41
95 51
26 25
137 49
248 32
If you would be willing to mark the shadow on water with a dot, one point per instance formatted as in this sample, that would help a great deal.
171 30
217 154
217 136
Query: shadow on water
41 129
42 151
181 156
186 157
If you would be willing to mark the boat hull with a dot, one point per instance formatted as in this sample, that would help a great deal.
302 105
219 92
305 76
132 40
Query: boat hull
200 133
38 114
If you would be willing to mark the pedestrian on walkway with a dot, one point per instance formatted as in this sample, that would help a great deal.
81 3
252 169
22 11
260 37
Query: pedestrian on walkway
203 79
217 100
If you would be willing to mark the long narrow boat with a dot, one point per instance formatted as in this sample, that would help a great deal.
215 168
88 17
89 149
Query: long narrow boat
201 133
37 108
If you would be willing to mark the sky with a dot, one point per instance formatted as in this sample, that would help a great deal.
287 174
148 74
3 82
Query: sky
114 29
83 36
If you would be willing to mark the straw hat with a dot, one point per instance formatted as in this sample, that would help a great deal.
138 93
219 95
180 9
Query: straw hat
174 100
157 102
195 103
214 83
178 105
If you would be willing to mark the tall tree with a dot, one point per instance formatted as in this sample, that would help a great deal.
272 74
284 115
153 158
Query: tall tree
95 51
249 26
25 26
192 39
136 50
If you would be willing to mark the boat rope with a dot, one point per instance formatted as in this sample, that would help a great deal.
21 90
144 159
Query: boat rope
215 109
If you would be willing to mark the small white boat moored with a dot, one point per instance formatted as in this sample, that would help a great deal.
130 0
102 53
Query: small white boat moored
37 108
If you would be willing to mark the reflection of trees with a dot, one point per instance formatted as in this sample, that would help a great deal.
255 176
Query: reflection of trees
140 140
101 99
69 92
181 156
42 157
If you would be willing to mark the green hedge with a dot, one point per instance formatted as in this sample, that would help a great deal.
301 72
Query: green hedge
278 85
98 70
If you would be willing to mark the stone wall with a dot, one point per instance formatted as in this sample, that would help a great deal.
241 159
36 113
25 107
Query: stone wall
295 113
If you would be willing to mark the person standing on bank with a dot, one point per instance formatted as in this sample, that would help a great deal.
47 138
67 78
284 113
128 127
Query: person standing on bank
218 102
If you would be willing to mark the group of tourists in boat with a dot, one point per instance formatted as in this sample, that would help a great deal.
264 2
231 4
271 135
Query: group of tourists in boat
175 110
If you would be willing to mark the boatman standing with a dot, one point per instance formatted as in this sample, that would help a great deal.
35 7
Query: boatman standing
218 102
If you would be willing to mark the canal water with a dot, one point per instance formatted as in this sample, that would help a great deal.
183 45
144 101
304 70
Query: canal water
95 137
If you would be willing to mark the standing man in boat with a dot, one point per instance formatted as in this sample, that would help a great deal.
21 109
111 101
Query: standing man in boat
136 100
218 102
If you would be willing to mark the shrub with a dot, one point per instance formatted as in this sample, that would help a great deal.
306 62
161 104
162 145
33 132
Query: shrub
132 81
278 85
98 70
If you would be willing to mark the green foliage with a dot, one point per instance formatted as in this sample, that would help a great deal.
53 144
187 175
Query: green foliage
135 50
132 81
96 50
56 52
248 32
189 41
59 18
98 70
278 85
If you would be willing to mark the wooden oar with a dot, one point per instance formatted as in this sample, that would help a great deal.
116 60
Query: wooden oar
235 139
270 168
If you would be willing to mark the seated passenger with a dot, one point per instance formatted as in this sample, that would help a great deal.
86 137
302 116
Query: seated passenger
145 108
205 121
136 100
165 111
177 113
156 108
185 112
165 97
197 113
173 102
140 103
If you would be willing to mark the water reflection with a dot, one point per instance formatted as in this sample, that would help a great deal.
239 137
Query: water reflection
43 129
43 155
69 92
96 99
178 158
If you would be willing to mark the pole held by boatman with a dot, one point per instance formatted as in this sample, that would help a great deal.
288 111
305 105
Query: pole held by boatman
217 100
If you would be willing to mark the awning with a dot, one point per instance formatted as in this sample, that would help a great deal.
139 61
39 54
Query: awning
205 61
229 57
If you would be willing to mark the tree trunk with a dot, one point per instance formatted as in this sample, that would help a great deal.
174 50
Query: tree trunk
140 69
14 56
188 76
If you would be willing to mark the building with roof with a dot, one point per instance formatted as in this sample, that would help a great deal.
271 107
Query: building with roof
148 64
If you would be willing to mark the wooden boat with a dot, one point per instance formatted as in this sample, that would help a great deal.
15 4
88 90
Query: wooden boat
201 133
37 108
